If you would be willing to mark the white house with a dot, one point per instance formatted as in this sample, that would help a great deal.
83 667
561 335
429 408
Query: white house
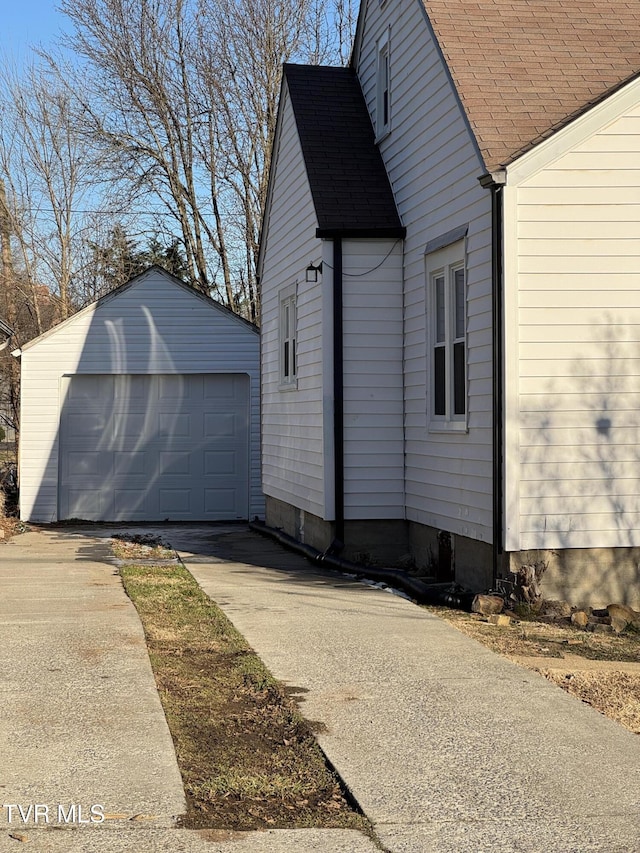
142 407
462 383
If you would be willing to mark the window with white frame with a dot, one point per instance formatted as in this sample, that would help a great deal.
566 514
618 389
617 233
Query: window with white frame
448 303
288 344
383 81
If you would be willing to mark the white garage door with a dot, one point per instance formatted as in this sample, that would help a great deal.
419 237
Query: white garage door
150 448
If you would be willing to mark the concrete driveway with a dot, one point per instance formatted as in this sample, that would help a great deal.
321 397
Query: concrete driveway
86 759
446 746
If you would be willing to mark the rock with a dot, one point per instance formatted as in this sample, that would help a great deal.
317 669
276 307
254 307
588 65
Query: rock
599 628
621 616
601 620
556 609
499 619
579 619
485 605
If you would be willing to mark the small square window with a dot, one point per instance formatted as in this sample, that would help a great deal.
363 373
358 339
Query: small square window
288 343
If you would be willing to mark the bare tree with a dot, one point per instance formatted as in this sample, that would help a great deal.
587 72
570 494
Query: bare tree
48 172
181 96
345 18
45 170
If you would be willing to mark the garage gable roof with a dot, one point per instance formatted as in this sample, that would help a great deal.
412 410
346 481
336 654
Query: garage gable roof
523 69
94 306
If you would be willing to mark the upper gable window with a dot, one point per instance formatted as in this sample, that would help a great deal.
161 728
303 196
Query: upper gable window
288 333
383 88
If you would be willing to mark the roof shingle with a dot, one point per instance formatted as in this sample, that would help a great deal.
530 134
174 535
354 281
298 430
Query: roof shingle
349 184
525 68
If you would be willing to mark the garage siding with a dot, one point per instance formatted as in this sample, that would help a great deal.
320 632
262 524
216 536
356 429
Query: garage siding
153 326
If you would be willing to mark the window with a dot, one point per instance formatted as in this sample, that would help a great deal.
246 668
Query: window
288 323
383 105
447 284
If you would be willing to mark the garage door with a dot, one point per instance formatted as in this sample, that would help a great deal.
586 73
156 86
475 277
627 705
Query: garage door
150 448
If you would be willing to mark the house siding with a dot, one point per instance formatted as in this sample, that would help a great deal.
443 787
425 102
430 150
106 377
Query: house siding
576 259
293 419
434 165
373 403
151 327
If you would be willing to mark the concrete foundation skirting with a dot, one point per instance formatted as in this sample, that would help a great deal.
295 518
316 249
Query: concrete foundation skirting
586 576
581 576
391 542
378 541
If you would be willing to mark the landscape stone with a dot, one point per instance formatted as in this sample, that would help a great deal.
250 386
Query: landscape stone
499 619
580 619
557 609
599 628
621 615
485 605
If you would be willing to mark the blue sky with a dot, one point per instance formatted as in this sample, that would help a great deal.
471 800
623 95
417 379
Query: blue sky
25 22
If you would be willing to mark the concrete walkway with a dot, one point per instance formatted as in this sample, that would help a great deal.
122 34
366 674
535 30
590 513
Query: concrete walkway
446 746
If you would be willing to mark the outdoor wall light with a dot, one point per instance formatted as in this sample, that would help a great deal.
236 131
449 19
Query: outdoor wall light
311 273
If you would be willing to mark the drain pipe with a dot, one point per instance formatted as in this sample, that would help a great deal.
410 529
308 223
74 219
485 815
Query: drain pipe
438 594
495 183
338 396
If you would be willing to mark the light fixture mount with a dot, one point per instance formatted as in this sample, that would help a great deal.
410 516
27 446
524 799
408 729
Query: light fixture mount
312 272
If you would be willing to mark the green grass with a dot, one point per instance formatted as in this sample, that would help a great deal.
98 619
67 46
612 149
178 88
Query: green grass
247 756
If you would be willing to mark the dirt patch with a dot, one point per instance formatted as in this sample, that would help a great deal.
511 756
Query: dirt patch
602 670
9 527
248 758
615 694
141 547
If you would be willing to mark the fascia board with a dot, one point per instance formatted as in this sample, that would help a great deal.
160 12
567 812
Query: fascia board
574 134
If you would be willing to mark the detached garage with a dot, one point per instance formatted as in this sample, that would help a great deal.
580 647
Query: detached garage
142 407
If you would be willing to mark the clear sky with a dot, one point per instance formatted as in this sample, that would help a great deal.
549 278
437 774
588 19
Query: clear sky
28 22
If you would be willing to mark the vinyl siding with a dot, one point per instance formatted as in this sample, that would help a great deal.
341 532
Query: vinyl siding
577 390
373 404
152 326
434 167
293 419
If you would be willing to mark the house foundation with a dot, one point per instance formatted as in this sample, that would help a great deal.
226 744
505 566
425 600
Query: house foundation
437 554
592 577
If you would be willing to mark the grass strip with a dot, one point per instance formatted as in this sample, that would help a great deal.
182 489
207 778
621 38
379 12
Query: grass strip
248 758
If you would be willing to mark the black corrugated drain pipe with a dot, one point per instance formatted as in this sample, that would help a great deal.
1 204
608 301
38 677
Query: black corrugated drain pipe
438 594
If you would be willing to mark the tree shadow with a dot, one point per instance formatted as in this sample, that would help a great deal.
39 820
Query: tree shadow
579 493
149 426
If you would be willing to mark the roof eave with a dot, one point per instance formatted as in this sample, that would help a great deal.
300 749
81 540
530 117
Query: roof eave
397 232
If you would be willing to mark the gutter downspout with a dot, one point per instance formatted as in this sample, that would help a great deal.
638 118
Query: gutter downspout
495 183
338 395
498 384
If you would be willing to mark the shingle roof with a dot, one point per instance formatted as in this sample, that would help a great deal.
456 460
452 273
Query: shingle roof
524 68
349 184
